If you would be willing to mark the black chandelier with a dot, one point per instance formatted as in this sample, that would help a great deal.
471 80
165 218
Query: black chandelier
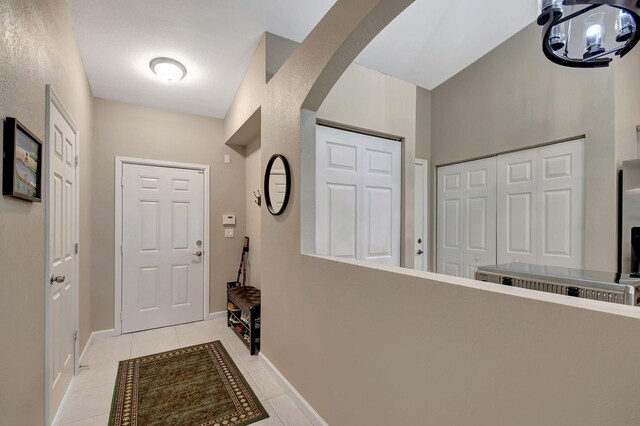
575 31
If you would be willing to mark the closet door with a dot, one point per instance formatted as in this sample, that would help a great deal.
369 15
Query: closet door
451 198
381 200
338 193
541 205
560 206
466 217
517 207
358 196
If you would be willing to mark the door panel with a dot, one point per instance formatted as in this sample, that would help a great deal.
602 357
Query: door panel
338 187
382 198
62 237
540 205
517 203
343 221
466 217
450 255
479 215
378 202
163 219
561 207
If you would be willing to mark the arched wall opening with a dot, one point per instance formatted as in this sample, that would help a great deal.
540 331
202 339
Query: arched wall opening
442 350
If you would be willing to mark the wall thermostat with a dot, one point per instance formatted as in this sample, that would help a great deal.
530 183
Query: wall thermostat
229 219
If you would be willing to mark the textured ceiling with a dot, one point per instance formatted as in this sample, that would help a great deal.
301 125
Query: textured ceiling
215 39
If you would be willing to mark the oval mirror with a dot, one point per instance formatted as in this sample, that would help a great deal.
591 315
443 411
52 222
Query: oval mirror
277 184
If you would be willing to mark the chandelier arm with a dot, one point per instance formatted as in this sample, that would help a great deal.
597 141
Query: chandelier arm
578 13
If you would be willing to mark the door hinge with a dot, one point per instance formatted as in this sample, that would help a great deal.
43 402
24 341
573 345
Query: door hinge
75 336
122 181
77 161
121 249
77 248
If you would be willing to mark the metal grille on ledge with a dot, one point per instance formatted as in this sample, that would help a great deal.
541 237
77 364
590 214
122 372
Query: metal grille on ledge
602 286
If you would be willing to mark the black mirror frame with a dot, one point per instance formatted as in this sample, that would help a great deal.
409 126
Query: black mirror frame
267 177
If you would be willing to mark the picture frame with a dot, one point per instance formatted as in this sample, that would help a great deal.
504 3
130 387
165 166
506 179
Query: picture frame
22 163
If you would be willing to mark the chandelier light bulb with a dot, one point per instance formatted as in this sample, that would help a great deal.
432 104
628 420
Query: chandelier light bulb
625 26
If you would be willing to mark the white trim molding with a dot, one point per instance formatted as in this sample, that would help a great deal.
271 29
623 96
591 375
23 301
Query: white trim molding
119 162
295 396
215 315
96 335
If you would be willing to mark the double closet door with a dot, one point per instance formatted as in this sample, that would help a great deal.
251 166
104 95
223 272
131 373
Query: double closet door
358 196
526 206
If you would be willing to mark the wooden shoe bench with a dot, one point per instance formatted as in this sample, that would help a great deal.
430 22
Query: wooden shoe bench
243 315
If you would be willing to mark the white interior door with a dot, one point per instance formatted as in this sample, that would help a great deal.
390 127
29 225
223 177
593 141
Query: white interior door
163 246
541 205
561 204
62 257
517 204
358 196
421 237
466 217
381 203
338 193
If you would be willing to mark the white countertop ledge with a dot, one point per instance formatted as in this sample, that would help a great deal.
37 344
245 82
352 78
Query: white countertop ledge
592 305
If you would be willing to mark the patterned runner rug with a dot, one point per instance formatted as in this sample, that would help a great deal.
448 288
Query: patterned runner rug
198 385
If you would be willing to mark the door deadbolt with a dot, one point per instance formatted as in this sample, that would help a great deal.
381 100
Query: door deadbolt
419 240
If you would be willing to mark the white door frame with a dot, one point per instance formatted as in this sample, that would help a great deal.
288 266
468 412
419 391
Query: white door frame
52 99
120 162
425 213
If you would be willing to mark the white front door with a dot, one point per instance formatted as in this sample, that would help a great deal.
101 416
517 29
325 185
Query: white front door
62 237
358 196
163 246
466 217
421 223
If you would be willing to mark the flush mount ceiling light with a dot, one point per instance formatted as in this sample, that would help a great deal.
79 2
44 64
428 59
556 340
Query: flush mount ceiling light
168 69
588 33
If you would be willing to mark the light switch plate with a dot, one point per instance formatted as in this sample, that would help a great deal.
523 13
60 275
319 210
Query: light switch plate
228 233
227 159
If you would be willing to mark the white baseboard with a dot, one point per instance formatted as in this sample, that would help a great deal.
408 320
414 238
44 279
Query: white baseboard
295 396
216 315
96 335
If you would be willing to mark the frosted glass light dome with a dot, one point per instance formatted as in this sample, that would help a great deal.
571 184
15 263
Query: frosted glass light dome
168 69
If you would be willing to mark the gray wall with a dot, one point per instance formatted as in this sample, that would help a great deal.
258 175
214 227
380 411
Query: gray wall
373 346
627 106
133 131
515 98
37 47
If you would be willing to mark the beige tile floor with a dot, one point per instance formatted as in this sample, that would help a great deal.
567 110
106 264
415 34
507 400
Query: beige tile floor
89 399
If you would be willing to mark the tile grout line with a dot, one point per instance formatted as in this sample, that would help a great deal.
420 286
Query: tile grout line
274 410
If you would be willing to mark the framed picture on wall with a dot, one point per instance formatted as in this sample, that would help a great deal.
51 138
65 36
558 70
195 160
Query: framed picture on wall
22 167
